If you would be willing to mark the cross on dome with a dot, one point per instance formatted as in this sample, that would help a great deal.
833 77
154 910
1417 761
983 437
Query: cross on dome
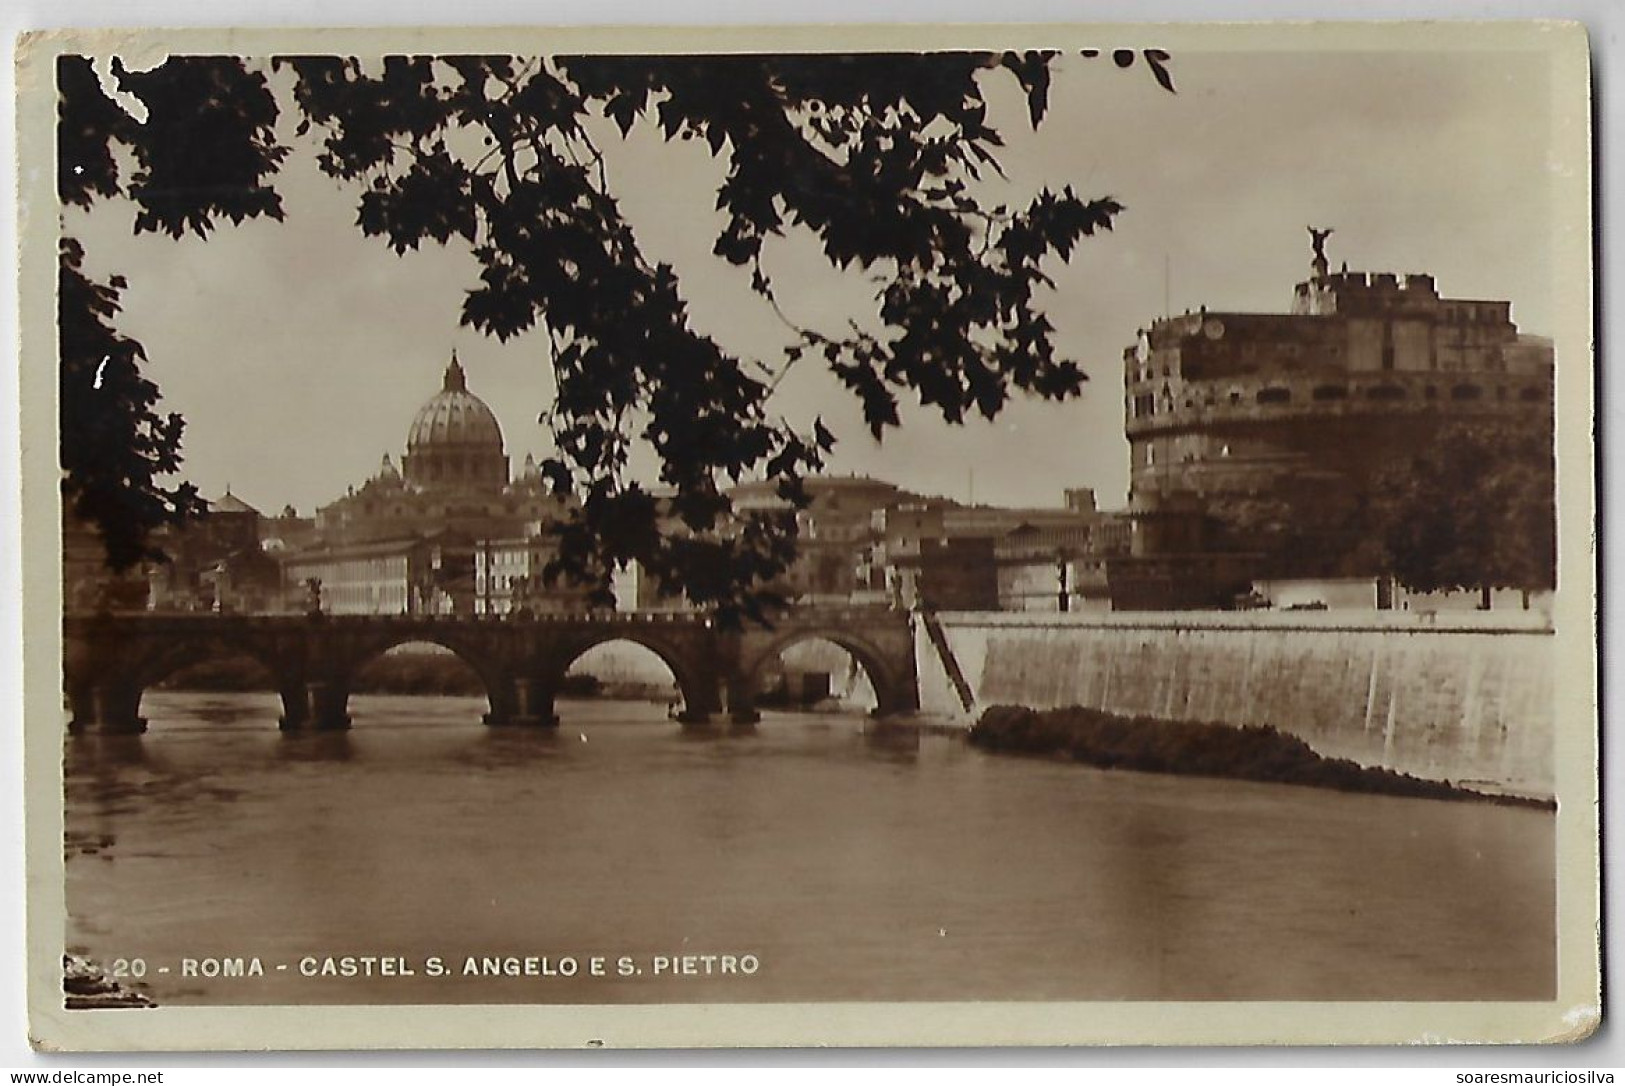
456 380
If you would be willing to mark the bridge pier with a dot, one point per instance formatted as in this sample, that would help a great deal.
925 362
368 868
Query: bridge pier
327 706
109 708
890 709
701 701
295 708
699 704
692 718
529 706
742 711
81 706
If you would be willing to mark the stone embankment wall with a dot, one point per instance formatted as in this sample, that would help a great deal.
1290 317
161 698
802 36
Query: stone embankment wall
1465 698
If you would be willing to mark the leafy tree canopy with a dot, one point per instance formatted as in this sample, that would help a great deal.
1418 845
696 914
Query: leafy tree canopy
880 158
1473 508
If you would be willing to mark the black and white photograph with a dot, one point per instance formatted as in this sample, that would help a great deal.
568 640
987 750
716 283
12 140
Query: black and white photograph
912 536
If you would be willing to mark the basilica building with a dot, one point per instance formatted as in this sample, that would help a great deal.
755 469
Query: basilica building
433 535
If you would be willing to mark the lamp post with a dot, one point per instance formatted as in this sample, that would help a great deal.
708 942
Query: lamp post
1064 592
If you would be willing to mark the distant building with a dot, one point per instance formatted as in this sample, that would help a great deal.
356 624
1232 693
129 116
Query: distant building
1055 559
446 532
636 589
415 574
957 573
248 581
835 536
1153 556
217 562
510 577
286 531
1051 569
953 557
1276 423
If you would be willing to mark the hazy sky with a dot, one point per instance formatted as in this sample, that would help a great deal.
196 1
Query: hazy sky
299 352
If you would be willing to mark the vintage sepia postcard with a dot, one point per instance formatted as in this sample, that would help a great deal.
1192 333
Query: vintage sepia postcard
846 537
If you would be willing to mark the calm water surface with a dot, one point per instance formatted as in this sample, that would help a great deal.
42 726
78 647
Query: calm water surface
850 864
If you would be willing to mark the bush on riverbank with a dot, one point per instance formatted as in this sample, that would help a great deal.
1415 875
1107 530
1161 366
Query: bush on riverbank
1147 745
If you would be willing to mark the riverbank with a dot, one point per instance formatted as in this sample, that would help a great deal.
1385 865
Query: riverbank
1146 745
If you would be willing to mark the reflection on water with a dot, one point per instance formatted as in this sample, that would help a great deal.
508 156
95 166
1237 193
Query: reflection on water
848 859
315 746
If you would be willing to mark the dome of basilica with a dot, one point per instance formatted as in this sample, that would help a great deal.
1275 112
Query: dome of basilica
455 416
455 439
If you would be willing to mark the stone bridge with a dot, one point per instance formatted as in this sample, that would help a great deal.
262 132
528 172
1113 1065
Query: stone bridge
109 660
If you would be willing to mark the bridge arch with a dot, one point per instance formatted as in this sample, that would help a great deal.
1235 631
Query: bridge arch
108 687
166 659
695 677
893 691
492 670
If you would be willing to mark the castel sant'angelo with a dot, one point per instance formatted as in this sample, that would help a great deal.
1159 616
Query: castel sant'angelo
1298 410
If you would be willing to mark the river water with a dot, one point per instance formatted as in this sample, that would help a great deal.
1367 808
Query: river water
826 859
